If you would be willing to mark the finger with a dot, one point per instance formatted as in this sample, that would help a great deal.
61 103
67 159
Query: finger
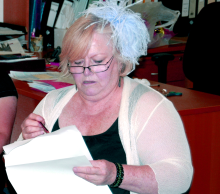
32 135
33 117
32 129
86 170
36 117
30 122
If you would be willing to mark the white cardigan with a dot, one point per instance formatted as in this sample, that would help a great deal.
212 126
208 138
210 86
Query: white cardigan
150 129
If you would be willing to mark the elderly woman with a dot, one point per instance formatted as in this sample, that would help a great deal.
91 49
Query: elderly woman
133 133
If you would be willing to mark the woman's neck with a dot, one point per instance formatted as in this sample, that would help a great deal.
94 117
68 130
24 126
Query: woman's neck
95 105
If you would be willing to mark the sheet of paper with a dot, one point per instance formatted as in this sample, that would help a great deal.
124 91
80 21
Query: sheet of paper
44 164
12 45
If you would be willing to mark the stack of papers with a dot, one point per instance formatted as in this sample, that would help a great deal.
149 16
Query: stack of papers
45 164
41 86
43 81
32 76
48 85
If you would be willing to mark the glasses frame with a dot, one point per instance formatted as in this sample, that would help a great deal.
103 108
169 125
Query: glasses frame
89 67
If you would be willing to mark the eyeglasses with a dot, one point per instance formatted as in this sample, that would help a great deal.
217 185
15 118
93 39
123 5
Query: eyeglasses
93 68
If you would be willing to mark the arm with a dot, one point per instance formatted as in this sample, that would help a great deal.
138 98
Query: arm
8 106
139 179
162 144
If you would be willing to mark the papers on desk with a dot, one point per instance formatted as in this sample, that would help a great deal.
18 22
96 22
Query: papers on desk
43 81
41 86
48 85
44 164
12 46
31 76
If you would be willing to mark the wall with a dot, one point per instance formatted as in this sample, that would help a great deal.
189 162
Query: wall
17 12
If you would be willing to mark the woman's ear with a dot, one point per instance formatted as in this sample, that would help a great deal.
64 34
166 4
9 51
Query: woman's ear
122 67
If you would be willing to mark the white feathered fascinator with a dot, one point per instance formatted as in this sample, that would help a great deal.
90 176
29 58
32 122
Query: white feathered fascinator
130 34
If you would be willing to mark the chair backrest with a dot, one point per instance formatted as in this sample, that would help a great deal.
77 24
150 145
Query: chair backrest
202 54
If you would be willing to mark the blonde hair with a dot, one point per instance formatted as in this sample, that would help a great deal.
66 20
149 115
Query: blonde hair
77 41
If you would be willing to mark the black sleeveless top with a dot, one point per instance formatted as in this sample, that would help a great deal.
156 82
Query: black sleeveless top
105 146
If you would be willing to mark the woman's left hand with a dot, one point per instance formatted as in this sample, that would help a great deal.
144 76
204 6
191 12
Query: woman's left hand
102 172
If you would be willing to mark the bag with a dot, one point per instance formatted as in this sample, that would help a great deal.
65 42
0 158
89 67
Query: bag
159 20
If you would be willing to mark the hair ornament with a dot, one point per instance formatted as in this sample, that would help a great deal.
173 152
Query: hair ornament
130 35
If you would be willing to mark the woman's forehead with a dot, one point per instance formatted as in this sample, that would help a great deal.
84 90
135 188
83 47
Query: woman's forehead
100 42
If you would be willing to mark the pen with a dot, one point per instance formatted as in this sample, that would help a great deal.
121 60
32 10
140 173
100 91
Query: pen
45 129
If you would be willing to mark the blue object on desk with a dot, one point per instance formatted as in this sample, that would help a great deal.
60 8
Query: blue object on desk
174 94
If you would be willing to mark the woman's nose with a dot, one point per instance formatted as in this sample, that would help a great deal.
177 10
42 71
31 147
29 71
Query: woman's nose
87 71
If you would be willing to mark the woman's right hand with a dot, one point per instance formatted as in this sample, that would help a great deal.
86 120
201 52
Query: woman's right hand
31 126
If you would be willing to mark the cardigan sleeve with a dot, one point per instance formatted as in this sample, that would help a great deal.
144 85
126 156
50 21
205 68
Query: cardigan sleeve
162 144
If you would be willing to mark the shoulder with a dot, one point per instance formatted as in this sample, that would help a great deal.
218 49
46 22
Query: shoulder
140 89
57 95
54 99
141 97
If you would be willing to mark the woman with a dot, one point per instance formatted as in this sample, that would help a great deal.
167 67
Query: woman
131 130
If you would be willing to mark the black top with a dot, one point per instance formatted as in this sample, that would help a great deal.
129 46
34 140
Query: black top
7 87
106 146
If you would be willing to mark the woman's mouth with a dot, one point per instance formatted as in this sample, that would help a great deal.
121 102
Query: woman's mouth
88 82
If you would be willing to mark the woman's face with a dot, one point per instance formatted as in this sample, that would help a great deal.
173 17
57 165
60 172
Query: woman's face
95 86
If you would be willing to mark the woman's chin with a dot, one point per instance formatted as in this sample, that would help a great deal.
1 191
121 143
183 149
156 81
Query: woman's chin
90 92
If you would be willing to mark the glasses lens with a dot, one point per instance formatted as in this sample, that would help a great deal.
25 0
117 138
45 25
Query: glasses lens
98 68
73 69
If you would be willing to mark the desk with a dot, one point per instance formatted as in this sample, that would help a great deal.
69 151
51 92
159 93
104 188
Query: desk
175 75
200 113
180 47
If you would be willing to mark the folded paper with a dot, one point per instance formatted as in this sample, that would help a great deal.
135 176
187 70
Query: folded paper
44 164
